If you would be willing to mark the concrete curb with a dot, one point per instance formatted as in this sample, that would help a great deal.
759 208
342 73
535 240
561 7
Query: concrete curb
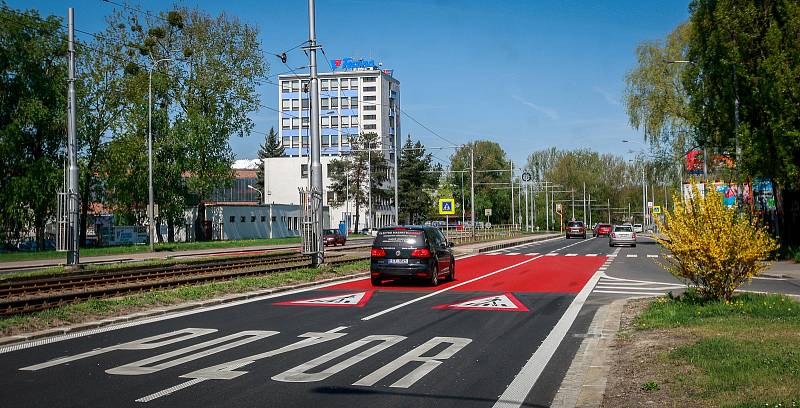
585 381
493 247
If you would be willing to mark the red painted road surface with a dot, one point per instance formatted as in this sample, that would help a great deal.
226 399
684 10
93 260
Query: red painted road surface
544 274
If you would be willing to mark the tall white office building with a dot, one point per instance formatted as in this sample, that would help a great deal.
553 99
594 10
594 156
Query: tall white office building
355 97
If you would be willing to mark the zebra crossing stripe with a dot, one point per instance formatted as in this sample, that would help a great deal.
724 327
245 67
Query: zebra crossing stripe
512 253
572 254
552 254
632 255
652 256
591 254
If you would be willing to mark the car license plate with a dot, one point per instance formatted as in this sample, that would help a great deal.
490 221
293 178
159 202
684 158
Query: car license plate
398 261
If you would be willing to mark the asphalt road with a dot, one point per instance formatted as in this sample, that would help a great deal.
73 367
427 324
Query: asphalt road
503 334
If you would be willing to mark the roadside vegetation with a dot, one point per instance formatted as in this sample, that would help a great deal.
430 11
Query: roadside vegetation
692 351
713 247
104 308
159 247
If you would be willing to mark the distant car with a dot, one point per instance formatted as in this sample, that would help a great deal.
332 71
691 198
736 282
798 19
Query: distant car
637 228
622 235
369 231
411 252
333 237
576 229
602 230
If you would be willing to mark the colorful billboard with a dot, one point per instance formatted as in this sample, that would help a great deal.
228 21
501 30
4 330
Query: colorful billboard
694 162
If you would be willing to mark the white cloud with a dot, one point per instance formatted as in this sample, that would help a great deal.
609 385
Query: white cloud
549 112
611 98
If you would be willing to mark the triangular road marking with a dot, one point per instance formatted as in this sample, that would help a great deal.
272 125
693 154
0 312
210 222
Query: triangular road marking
506 302
357 299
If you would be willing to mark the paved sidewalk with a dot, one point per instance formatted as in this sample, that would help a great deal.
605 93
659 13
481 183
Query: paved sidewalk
479 247
783 269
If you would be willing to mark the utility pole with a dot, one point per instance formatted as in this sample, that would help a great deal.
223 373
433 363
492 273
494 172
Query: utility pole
463 210
590 208
585 218
369 185
609 210
547 208
527 221
73 247
513 219
572 199
316 164
396 180
533 216
472 187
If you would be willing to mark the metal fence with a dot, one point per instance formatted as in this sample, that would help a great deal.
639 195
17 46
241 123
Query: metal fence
465 234
311 203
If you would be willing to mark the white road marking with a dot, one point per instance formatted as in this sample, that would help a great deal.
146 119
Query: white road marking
512 253
552 254
532 254
514 396
652 256
630 293
572 254
590 255
601 286
632 255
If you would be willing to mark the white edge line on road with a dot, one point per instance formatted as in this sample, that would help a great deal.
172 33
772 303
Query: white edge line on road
515 394
630 293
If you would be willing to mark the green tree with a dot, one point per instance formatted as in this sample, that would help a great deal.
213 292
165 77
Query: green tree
100 84
417 179
492 179
33 84
354 175
271 147
746 53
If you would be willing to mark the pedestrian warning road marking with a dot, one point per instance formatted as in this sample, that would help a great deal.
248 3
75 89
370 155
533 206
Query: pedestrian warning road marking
632 255
506 302
552 254
572 254
591 254
532 254
357 299
652 256
512 253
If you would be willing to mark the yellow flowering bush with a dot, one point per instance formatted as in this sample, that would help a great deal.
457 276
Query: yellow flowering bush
713 247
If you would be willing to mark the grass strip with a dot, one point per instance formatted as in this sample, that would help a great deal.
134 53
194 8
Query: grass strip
159 247
104 308
112 267
744 353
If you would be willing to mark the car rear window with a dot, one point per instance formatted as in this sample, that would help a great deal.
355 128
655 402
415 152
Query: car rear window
575 224
604 225
401 236
330 232
623 228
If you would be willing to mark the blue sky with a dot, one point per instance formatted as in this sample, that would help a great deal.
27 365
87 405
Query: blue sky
527 74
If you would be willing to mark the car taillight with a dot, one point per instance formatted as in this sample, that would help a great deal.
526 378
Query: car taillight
421 253
377 252
613 235
634 235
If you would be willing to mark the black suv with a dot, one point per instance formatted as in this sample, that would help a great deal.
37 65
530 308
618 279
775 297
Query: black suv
412 252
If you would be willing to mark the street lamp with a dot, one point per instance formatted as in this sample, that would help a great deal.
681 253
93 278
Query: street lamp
260 193
644 185
150 210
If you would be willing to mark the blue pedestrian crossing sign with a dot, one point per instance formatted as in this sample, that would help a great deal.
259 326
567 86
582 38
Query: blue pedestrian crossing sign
447 206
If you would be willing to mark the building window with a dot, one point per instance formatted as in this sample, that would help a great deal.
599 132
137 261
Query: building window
286 104
370 127
295 104
274 218
305 103
334 84
232 218
345 103
369 89
325 140
241 219
354 121
296 140
369 107
304 171
345 121
334 140
295 86
286 140
326 121
286 123
334 121
368 79
331 197
305 141
252 218
369 117
334 103
304 86
305 121
285 86
325 84
263 218
354 102
369 98
324 103
295 123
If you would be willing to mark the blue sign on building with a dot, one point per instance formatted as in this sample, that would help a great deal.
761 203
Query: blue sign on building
349 63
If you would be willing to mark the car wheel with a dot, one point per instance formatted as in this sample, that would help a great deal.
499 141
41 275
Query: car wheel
452 276
633 246
434 276
377 282
584 236
566 237
610 244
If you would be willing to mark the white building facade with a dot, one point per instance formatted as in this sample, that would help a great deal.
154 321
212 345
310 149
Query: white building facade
356 97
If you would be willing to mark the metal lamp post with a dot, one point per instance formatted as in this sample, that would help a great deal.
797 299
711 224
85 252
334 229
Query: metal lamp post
150 210
644 185
260 193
